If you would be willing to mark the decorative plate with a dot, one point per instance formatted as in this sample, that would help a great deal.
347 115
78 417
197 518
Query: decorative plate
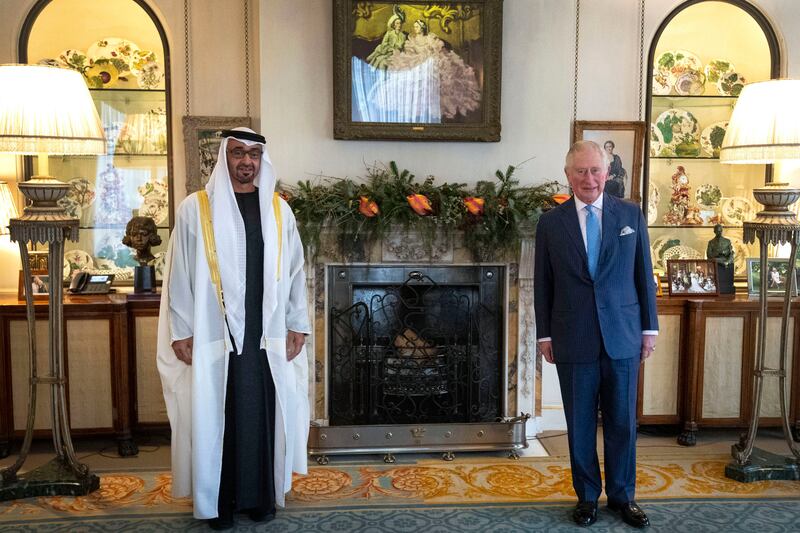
139 59
118 51
76 260
681 251
658 246
156 202
50 63
675 62
708 196
150 76
656 141
661 82
711 138
731 84
736 209
691 83
158 262
716 68
74 59
652 204
680 132
80 196
101 74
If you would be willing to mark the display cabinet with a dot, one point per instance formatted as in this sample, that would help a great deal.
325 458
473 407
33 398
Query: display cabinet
701 57
121 50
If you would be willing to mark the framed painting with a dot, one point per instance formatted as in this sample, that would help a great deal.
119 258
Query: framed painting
692 277
623 144
777 276
201 143
417 71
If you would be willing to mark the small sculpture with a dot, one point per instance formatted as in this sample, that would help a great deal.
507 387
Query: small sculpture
720 249
141 234
679 199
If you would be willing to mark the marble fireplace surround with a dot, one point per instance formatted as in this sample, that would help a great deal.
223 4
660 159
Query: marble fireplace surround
523 372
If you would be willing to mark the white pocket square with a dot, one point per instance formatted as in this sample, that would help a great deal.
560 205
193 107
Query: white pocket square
627 230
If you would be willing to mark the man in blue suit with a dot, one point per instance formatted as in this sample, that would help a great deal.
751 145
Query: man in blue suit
596 319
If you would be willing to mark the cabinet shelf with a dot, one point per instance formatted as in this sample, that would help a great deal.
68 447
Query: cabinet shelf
112 90
692 158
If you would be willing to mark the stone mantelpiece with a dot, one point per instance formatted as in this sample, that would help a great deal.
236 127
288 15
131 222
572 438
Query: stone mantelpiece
522 375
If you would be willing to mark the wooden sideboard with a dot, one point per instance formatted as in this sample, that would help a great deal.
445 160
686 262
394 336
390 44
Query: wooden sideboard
109 351
700 375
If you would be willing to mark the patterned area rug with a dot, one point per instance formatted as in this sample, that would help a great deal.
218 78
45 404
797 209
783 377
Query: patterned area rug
432 496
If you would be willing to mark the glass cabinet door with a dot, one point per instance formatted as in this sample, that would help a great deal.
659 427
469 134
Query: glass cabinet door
119 47
701 57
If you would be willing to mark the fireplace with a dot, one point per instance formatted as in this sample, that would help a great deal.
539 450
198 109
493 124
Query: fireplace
415 345
416 360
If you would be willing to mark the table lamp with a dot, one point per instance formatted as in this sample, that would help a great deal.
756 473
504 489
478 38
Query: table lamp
765 128
8 208
46 111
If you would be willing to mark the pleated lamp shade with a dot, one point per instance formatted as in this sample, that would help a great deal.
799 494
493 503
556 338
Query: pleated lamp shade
765 125
8 208
47 110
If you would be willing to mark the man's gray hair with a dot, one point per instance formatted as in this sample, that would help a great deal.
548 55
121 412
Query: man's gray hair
580 146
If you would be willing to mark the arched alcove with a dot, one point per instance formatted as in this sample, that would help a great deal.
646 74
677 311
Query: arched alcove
120 47
700 57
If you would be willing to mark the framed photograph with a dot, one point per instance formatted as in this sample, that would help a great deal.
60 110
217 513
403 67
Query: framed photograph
694 277
38 284
657 281
777 276
623 143
417 71
201 140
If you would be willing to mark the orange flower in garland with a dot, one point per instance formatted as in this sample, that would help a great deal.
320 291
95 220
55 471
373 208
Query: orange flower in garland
285 195
368 207
474 205
560 198
420 204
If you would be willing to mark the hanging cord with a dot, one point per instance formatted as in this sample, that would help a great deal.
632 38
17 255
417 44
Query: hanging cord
247 57
641 60
186 58
575 75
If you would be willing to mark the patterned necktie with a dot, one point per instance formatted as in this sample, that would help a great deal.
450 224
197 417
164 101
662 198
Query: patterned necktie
592 239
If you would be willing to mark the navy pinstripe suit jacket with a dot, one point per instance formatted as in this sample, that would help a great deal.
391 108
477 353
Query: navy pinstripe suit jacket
579 313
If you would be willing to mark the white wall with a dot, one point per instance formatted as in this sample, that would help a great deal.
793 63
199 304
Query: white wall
538 60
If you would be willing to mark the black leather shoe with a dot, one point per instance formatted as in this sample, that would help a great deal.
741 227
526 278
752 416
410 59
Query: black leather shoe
261 515
631 513
585 513
221 523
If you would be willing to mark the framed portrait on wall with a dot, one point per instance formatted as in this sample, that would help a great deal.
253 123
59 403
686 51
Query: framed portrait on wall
623 143
417 71
201 138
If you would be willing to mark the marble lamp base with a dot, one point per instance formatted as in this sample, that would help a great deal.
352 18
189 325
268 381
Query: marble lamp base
763 466
55 478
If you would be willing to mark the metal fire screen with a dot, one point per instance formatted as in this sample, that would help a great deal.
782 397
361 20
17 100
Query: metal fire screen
415 345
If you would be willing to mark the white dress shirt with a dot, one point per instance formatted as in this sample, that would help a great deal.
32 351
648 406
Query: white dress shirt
597 209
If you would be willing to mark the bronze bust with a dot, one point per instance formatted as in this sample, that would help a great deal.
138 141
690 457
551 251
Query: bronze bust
720 248
141 234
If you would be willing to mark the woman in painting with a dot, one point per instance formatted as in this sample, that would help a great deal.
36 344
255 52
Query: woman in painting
430 82
615 182
393 39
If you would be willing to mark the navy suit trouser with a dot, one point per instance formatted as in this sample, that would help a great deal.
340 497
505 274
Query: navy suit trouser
613 384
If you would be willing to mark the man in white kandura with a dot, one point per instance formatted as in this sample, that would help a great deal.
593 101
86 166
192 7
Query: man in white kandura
234 369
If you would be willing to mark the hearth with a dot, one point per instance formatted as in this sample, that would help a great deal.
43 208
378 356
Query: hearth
418 350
